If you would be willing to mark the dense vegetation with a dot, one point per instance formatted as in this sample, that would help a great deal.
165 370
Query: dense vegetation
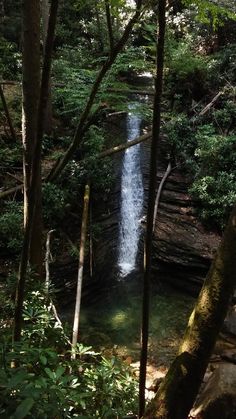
200 70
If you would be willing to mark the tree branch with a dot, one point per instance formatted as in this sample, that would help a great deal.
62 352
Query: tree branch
79 132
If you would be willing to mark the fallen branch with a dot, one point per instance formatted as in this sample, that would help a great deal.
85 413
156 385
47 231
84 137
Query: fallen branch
209 105
122 147
120 113
8 192
103 154
14 177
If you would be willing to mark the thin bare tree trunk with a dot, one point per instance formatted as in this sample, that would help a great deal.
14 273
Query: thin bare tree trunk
151 202
179 389
157 201
35 170
7 113
80 269
90 241
48 258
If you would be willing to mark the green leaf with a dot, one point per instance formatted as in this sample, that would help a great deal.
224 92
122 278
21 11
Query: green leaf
23 409
43 359
51 374
59 372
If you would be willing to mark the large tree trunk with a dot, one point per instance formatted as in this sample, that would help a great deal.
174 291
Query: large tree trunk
151 201
48 114
36 164
179 389
31 90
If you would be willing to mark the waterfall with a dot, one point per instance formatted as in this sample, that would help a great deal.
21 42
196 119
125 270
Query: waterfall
131 199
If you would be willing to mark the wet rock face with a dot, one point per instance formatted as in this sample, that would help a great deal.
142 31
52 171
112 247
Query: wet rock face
182 248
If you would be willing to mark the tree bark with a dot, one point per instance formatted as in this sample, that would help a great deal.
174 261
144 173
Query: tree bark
36 162
81 268
151 201
31 90
79 132
179 389
109 25
48 114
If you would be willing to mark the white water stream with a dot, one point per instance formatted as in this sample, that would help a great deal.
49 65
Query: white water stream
131 200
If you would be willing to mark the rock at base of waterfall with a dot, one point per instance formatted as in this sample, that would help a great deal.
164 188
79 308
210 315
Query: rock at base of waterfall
218 397
230 321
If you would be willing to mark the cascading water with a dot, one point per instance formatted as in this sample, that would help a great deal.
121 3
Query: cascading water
131 199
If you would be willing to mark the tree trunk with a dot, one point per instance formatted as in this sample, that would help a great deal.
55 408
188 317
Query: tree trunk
99 27
36 162
179 389
109 25
81 268
48 113
31 90
151 201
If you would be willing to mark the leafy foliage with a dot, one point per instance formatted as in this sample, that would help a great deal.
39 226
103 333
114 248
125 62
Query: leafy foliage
9 59
43 386
11 227
209 12
211 159
54 200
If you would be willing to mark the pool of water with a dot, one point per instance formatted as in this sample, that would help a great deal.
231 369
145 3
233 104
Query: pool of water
113 321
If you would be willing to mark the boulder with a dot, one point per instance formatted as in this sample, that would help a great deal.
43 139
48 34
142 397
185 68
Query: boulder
230 321
217 399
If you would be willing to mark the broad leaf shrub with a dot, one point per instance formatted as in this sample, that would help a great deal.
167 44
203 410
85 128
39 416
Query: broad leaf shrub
11 227
208 154
46 383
